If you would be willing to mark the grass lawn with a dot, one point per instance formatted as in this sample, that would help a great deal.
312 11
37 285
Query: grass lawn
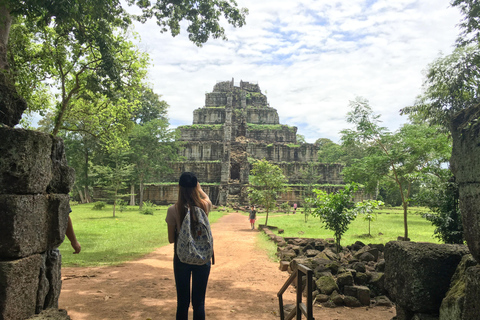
388 226
108 241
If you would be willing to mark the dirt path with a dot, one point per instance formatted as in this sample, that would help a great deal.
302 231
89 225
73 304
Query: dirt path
243 284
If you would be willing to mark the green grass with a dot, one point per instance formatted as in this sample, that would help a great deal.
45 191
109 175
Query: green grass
385 228
109 241
265 244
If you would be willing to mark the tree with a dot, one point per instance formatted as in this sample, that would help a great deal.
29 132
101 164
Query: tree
95 23
76 71
401 156
441 195
336 210
310 177
113 176
366 208
470 24
329 151
267 182
451 85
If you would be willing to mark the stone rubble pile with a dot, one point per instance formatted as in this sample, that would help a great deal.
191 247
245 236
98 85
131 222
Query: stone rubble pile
354 277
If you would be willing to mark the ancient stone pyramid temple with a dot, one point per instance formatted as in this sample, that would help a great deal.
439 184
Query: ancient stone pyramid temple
235 126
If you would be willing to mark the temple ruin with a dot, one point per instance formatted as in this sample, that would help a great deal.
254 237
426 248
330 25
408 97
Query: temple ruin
235 126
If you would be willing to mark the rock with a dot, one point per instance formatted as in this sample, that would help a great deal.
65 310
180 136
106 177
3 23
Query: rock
383 301
12 104
51 314
377 283
19 284
424 316
25 174
453 304
322 256
32 224
287 255
412 273
380 267
358 266
330 254
326 285
366 256
362 293
311 253
360 278
472 294
351 302
465 164
63 176
337 298
322 297
284 265
329 304
344 279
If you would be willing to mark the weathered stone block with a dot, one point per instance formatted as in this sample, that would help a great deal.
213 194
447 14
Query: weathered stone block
453 305
472 294
32 224
18 287
326 285
361 293
63 176
469 206
25 164
51 314
54 276
417 275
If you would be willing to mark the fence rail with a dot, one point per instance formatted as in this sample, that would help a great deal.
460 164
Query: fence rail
300 307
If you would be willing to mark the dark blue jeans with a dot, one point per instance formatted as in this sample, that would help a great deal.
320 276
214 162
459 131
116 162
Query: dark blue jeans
199 275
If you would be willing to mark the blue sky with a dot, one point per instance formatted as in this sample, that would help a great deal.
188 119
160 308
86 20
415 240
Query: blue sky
310 57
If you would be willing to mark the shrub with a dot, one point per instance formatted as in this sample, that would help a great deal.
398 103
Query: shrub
122 205
285 207
99 205
147 208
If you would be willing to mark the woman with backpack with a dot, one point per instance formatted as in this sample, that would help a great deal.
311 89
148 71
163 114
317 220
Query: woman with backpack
192 207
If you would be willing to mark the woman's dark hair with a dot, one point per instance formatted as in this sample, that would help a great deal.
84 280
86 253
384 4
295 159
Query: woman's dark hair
188 195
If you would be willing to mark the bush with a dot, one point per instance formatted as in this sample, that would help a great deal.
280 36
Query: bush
122 205
99 205
285 207
147 208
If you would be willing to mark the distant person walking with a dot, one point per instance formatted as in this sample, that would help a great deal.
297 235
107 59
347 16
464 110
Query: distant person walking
190 195
252 216
294 208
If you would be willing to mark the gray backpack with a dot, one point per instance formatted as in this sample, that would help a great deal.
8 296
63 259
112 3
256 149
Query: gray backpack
196 248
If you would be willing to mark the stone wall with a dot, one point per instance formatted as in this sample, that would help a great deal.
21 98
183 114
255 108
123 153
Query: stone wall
202 151
201 134
283 134
264 115
206 171
34 207
209 115
215 99
328 173
283 153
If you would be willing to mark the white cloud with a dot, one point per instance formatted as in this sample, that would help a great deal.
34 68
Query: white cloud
310 57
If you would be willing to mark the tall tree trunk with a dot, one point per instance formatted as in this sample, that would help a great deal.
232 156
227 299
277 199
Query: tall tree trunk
114 202
5 23
132 194
82 198
11 104
88 199
140 196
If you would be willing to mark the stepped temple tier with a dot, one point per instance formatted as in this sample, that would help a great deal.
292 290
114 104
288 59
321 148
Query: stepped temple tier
236 126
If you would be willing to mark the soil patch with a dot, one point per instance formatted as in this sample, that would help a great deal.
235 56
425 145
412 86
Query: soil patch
243 284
